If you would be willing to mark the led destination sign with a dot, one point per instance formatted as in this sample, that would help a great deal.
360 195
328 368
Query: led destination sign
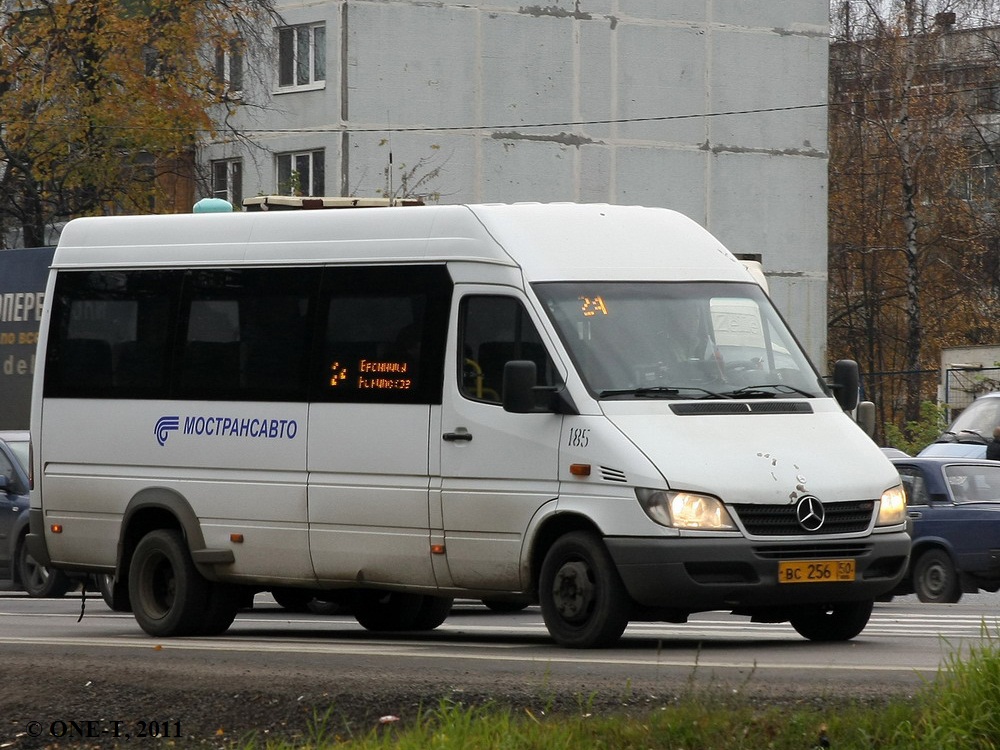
591 306
372 374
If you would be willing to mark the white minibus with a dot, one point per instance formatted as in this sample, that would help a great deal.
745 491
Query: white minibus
590 407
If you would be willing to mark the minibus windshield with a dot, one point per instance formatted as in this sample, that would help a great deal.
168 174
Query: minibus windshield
678 340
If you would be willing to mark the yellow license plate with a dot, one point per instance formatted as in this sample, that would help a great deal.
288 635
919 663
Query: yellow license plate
815 571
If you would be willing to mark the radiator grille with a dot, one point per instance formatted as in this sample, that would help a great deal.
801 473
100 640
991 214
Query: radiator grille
781 520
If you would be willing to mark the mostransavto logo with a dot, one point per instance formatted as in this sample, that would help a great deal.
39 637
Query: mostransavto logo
164 426
226 427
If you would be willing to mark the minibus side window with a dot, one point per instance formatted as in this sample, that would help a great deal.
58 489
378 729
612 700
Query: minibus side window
109 334
246 334
494 330
383 337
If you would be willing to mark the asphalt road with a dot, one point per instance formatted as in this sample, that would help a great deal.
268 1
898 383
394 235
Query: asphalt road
274 672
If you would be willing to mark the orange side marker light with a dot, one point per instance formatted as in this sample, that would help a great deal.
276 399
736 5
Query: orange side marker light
579 470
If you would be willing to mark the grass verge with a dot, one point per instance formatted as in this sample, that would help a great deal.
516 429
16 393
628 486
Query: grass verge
959 710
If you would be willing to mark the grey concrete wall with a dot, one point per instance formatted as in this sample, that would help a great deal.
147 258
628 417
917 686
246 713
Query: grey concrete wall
582 100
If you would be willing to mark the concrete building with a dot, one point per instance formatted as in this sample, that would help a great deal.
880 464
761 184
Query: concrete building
715 108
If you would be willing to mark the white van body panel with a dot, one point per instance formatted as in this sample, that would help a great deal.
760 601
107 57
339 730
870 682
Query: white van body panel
545 241
368 516
256 487
445 233
770 466
560 242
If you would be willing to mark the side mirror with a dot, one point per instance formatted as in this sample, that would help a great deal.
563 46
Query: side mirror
846 381
519 379
4 483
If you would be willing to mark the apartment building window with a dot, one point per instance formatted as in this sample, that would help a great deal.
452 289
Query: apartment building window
981 180
227 180
301 173
229 66
301 55
988 98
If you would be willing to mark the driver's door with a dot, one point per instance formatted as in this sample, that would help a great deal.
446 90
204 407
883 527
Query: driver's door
497 468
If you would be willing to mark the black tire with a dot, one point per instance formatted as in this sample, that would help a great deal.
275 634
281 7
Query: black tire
835 622
382 611
323 607
223 603
503 606
37 579
433 612
584 602
114 593
935 580
292 599
169 596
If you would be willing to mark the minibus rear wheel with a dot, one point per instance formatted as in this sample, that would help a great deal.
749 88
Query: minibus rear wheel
169 596
382 611
584 602
433 612
224 601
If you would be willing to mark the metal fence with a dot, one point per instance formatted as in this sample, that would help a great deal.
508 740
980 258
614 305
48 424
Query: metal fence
963 385
954 387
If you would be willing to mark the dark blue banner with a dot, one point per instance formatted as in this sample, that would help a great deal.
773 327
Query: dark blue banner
23 274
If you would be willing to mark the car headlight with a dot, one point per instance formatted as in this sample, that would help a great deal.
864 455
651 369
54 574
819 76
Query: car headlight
892 507
685 510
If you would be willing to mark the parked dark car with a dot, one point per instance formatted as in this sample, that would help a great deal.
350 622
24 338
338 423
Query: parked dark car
954 507
16 565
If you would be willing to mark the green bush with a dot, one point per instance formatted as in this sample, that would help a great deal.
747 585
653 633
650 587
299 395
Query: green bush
916 435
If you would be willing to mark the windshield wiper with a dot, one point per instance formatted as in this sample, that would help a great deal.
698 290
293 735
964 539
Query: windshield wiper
660 391
777 389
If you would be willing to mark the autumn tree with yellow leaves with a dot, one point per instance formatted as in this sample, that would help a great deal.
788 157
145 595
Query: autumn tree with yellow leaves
913 230
103 101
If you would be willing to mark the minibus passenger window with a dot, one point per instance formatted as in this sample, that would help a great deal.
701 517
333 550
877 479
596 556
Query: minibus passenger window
383 334
109 334
247 334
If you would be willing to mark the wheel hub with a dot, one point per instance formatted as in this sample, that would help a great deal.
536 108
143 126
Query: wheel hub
935 579
573 591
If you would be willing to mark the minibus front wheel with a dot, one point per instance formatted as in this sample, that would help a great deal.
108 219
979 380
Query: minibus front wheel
584 602
835 622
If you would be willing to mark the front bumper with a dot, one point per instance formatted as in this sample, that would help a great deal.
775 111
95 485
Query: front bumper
697 574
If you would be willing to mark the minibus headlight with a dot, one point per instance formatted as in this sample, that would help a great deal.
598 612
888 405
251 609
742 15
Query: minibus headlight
685 510
892 508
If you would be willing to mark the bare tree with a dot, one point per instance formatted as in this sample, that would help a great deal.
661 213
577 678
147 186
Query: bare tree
906 231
